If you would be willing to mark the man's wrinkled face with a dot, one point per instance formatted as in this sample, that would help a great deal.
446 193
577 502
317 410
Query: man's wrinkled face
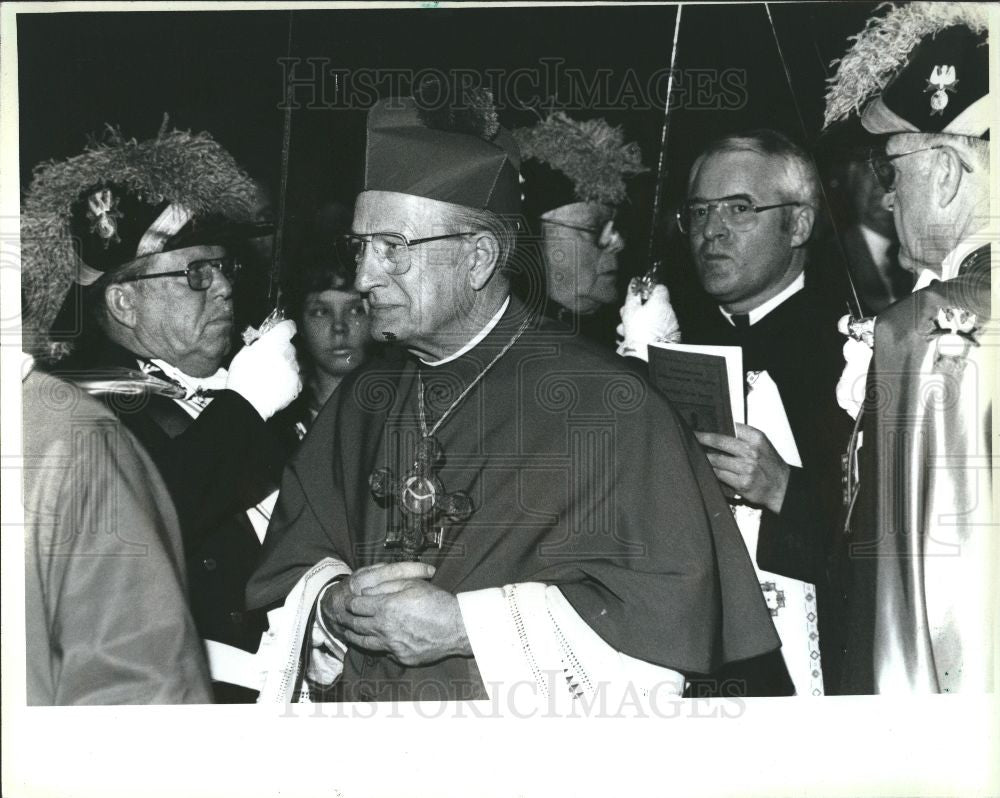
739 269
426 308
188 329
581 265
910 203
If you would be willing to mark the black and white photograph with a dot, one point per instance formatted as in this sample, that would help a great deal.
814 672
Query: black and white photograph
499 399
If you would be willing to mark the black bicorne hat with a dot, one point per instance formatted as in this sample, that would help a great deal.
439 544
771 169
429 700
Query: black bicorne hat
920 68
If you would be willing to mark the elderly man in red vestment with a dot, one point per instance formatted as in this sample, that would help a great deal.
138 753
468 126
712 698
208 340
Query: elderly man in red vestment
498 502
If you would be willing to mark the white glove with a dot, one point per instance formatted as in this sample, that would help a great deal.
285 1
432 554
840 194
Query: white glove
851 387
266 372
646 322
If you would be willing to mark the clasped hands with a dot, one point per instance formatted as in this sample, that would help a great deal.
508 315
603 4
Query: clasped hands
748 466
392 608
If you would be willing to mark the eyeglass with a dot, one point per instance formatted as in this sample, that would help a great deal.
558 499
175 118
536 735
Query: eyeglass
595 232
393 249
737 212
884 171
200 274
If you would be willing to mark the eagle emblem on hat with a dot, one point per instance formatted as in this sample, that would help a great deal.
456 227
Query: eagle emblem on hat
941 81
102 210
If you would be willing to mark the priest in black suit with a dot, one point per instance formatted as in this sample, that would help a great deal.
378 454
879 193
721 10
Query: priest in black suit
752 202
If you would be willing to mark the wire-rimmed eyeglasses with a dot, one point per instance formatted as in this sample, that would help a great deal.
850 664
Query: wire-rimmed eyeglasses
882 166
199 273
737 212
392 249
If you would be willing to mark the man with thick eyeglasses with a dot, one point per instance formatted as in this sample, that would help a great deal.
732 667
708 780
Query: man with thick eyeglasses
150 319
918 477
495 502
573 183
752 201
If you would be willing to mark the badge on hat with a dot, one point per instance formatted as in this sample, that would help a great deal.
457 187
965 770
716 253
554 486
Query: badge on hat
905 53
103 213
941 81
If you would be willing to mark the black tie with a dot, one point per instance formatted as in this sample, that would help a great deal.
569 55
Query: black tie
741 321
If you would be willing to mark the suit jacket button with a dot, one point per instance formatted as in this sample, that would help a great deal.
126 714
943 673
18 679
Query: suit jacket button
208 564
236 617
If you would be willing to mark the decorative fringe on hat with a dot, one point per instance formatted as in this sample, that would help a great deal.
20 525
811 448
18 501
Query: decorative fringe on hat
592 154
191 170
882 49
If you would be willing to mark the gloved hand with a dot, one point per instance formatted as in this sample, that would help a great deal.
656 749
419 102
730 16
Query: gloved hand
851 387
646 322
266 372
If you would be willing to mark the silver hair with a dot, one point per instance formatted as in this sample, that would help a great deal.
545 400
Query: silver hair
799 179
460 218
973 149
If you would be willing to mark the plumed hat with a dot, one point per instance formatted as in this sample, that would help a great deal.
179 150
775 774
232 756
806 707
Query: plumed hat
567 161
920 68
444 143
117 201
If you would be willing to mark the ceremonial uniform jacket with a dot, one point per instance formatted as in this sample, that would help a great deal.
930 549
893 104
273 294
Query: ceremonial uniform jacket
922 544
581 476
107 620
216 467
797 343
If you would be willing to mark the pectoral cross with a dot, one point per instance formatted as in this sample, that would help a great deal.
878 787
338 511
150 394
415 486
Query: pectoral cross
421 497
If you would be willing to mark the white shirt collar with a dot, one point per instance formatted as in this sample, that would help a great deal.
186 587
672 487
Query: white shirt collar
475 339
878 244
761 311
952 261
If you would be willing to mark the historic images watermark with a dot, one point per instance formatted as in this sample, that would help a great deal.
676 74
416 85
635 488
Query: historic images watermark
318 83
526 699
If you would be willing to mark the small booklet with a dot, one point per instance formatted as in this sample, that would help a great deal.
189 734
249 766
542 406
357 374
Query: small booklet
704 383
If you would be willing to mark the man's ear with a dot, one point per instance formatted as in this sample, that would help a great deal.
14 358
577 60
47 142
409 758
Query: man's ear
947 176
803 219
119 299
485 258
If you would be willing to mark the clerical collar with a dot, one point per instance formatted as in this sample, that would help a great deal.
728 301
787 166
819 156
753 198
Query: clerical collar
474 341
952 261
761 311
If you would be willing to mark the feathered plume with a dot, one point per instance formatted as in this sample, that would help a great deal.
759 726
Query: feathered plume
882 49
192 170
592 154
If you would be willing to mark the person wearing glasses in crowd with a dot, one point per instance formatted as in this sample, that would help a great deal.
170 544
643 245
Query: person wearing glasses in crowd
147 223
752 203
921 562
503 509
573 177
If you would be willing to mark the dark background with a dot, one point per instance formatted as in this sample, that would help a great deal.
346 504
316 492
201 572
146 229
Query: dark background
220 71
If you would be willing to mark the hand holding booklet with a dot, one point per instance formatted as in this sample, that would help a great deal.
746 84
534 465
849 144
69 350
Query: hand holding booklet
703 383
